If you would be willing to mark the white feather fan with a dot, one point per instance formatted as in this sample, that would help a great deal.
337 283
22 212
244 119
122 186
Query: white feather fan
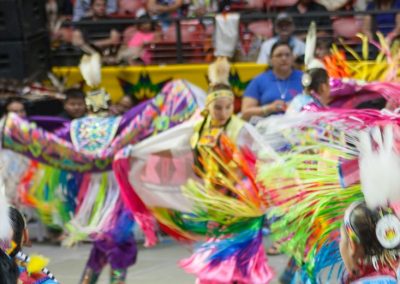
379 167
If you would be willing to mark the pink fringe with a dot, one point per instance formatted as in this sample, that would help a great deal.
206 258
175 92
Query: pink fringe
258 270
141 214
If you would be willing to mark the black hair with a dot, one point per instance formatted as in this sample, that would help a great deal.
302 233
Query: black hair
12 100
379 103
147 17
278 44
9 272
317 77
92 2
74 94
18 226
363 221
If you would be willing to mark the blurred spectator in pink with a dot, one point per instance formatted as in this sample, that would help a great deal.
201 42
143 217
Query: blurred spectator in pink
82 8
136 50
164 9
85 37
386 23
302 19
284 29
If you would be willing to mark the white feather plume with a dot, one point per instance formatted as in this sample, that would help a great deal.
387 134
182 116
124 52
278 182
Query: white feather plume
310 61
218 71
379 167
311 42
5 224
90 67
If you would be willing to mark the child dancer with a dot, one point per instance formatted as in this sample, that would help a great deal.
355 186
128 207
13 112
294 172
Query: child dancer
369 246
32 269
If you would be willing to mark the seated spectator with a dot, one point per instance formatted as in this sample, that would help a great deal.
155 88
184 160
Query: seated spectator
284 29
200 8
136 50
386 23
59 11
86 37
302 20
322 48
163 9
82 8
74 104
269 92
122 106
15 105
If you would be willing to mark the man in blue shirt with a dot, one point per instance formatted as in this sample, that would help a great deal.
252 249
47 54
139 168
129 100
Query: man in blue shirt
269 92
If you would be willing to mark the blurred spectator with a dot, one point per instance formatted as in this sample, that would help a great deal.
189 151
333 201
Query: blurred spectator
134 8
74 104
200 8
323 48
136 50
15 105
86 35
248 46
302 20
269 92
59 11
386 23
122 106
284 29
164 9
83 8
52 14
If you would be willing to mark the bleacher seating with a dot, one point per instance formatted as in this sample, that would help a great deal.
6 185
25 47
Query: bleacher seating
197 34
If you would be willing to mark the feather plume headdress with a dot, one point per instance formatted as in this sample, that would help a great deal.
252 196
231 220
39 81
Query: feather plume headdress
310 61
218 74
96 100
379 163
90 67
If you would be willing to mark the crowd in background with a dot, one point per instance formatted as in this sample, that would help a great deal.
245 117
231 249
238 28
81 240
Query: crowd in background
130 44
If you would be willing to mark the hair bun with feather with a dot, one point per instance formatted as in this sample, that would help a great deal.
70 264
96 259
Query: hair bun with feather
218 72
